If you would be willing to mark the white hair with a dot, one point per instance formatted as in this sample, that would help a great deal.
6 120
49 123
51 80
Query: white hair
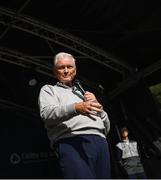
62 55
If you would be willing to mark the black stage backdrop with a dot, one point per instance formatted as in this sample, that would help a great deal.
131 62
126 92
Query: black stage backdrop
25 151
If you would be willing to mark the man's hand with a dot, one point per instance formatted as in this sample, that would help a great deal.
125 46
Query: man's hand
88 108
88 96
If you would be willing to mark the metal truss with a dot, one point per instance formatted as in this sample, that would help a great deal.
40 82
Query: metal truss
17 108
17 58
133 79
12 20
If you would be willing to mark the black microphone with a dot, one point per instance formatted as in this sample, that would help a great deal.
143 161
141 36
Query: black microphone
79 86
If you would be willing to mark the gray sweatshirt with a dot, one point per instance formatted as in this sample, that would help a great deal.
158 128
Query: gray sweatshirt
56 104
128 157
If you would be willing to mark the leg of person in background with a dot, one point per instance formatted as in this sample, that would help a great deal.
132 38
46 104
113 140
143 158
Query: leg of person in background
141 175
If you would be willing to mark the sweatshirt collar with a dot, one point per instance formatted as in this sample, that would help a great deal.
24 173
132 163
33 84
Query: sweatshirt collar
74 89
126 141
63 85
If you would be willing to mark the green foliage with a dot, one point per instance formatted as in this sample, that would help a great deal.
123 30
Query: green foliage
156 92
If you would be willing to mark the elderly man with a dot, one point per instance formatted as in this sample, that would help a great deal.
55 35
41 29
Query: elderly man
76 124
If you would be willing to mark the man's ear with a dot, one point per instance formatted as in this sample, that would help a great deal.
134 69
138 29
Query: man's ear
75 71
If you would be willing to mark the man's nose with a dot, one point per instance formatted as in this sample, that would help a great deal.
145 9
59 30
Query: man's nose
65 69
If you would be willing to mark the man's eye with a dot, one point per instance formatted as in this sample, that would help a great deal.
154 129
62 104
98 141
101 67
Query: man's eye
70 67
62 67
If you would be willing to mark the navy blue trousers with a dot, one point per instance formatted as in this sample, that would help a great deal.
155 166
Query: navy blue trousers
84 157
137 176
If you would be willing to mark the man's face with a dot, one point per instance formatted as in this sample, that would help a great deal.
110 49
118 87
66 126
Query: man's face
125 134
65 70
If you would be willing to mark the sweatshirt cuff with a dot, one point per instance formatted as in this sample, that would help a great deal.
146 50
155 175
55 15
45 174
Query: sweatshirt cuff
103 114
71 109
